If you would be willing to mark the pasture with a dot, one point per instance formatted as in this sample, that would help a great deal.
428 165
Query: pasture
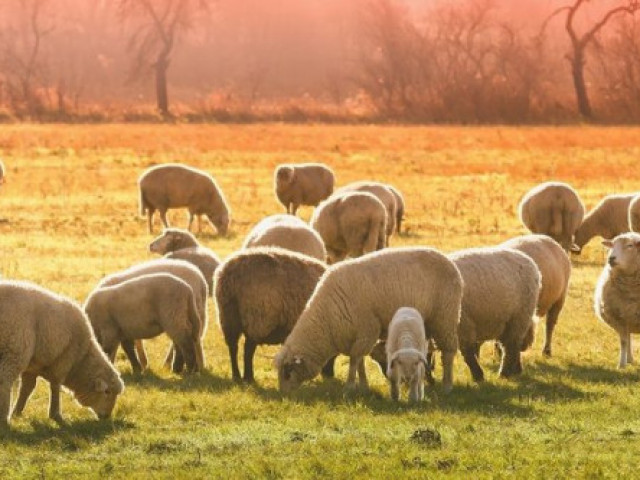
70 215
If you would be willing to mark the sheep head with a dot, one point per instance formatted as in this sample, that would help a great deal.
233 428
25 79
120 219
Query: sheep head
101 395
624 253
406 364
293 369
221 221
284 176
172 239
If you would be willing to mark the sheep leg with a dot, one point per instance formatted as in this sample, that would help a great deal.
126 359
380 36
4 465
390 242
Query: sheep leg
510 361
130 351
150 213
351 377
142 354
178 359
249 351
185 353
294 208
199 224
416 393
190 222
552 319
629 349
231 337
431 362
27 384
5 403
624 349
394 386
362 375
163 217
447 369
54 404
471 359
328 371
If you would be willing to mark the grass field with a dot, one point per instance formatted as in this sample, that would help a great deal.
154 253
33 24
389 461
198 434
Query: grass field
71 216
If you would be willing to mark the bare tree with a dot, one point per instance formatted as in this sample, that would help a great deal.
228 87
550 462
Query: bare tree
158 24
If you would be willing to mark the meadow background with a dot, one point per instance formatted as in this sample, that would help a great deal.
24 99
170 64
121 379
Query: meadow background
69 215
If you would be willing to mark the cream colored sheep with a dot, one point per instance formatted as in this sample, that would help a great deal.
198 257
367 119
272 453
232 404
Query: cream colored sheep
175 186
260 294
608 219
288 232
383 193
302 184
553 209
405 350
46 335
354 302
181 269
178 244
617 294
501 288
350 224
633 214
555 271
399 206
145 307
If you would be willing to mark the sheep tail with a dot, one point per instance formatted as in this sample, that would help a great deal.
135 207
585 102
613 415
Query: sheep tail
196 329
556 221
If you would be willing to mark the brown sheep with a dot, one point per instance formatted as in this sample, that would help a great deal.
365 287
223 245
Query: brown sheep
608 219
175 186
302 184
553 209
350 224
260 293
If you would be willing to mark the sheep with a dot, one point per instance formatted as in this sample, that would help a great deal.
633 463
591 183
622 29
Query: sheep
608 219
260 293
352 306
633 214
405 351
617 294
501 288
288 232
145 307
181 269
555 271
553 209
47 335
384 194
173 186
399 206
178 244
2 173
350 224
302 184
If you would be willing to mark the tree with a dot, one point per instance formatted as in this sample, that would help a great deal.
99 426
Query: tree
158 24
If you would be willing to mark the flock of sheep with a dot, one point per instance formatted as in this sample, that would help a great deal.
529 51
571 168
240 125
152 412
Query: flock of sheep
292 284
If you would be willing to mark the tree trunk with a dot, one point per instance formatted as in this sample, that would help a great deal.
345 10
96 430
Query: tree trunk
577 69
162 95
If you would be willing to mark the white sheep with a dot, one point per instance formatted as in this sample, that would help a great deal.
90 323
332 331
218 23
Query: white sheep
608 219
617 294
46 335
633 214
288 232
145 307
553 209
555 271
352 224
406 349
302 184
501 288
354 302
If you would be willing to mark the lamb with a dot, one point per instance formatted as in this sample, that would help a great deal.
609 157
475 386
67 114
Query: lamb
354 302
260 294
608 219
405 349
178 244
384 194
48 335
173 186
350 224
633 214
553 209
302 184
288 232
501 288
555 271
399 206
145 307
181 269
617 294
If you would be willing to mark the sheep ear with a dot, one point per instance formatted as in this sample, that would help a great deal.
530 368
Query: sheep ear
607 243
100 386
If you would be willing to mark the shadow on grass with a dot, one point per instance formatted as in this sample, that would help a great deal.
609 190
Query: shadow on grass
591 373
199 382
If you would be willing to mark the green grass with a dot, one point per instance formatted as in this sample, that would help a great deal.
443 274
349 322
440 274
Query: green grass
70 205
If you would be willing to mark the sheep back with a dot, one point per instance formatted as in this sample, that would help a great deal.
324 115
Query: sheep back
302 184
608 219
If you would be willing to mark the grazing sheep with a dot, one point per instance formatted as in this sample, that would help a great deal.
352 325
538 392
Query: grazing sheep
383 193
405 349
260 294
288 232
181 269
352 306
174 186
399 206
617 295
47 335
633 216
608 219
555 271
350 224
178 244
145 307
302 184
501 288
553 209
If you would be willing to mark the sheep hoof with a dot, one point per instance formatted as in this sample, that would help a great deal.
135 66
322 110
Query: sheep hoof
547 352
59 420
